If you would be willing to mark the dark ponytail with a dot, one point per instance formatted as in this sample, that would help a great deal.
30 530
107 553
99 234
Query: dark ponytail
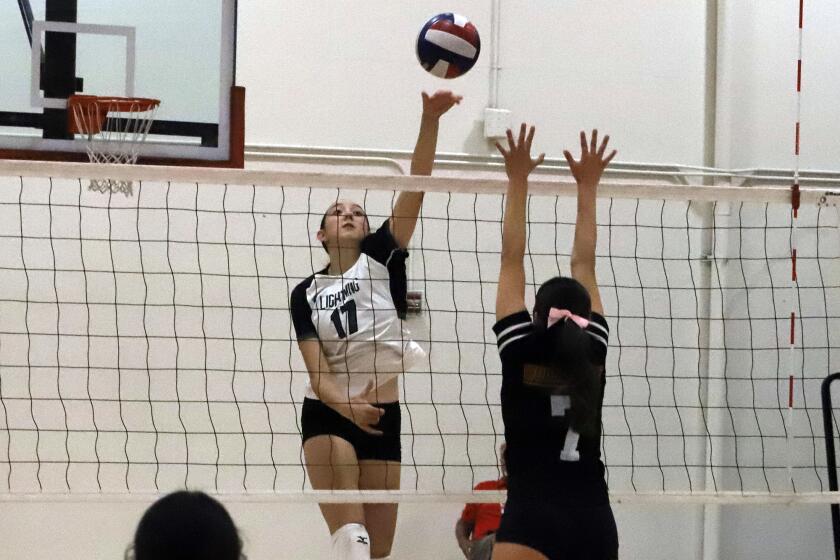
563 353
564 367
572 352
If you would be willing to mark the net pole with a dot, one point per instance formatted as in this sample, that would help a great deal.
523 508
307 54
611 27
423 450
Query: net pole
795 203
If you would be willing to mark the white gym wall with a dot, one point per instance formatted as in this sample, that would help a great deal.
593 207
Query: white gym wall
327 74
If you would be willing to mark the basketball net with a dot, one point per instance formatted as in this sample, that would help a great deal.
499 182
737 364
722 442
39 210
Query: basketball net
115 128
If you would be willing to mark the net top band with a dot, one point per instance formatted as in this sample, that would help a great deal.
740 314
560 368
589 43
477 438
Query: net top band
269 178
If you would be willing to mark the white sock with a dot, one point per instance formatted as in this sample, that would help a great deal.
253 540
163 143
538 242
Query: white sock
351 542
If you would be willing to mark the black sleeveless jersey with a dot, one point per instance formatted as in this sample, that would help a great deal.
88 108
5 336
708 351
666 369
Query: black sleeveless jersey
545 457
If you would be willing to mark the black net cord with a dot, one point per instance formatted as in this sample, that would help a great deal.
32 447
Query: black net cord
29 381
617 338
146 342
646 362
206 380
752 372
230 300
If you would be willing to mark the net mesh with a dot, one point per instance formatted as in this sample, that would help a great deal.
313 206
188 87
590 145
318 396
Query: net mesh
146 343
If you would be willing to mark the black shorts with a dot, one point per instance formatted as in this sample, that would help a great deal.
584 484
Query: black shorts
560 532
317 419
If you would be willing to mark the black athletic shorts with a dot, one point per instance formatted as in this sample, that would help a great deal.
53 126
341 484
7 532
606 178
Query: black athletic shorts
317 419
560 532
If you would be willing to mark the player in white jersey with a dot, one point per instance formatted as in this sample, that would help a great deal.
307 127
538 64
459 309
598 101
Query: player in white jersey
348 320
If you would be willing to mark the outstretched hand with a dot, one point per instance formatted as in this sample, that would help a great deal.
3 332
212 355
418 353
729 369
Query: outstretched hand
518 161
439 102
587 172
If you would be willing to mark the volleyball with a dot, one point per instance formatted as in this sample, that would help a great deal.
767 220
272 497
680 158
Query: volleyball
448 45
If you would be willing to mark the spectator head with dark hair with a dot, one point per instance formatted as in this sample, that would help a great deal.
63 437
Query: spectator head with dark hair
186 526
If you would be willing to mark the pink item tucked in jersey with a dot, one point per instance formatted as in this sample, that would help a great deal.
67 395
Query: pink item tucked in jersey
555 315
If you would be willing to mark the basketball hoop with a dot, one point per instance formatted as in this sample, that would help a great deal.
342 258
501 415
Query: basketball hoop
115 128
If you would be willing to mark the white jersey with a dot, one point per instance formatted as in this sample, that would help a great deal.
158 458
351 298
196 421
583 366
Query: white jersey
357 316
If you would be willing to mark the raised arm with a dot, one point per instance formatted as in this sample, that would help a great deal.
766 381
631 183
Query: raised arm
587 172
510 296
407 207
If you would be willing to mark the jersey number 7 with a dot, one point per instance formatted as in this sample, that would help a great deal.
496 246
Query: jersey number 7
349 309
559 405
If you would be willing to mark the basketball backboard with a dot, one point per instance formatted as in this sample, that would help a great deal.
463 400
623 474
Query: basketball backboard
181 52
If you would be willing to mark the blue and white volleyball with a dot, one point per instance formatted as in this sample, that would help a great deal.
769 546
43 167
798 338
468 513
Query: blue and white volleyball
448 45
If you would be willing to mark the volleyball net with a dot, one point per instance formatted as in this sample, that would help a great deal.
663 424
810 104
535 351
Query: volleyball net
146 343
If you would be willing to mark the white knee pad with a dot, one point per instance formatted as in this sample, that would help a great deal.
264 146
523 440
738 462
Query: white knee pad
351 542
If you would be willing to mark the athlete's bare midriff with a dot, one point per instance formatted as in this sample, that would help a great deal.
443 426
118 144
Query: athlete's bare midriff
386 393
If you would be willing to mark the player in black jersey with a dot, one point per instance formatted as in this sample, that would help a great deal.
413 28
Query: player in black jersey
553 380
